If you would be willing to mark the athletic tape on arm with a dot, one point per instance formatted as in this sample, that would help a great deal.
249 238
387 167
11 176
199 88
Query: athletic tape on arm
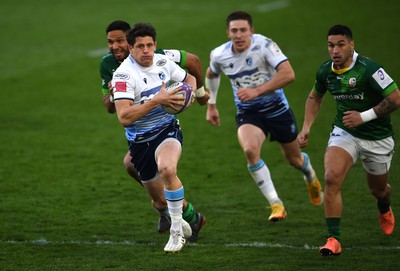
213 86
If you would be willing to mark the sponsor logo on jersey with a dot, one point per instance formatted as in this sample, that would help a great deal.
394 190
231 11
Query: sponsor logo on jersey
359 96
145 80
275 49
170 54
161 62
121 75
267 42
382 78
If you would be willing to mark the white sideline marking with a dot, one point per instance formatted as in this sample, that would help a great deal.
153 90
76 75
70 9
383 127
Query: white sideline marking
272 6
151 244
260 8
98 52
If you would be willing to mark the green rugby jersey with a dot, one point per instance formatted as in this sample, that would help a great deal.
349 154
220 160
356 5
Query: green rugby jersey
109 64
360 88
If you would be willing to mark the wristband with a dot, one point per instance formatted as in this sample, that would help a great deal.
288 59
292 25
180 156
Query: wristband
368 115
200 92
111 98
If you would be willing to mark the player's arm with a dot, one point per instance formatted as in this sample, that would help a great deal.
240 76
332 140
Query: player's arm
128 112
284 75
312 108
194 67
389 104
212 86
106 77
108 99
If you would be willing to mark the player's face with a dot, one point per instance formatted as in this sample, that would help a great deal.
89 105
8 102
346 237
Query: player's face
341 51
240 33
117 44
143 51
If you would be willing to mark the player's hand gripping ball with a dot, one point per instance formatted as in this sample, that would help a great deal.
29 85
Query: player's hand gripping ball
186 92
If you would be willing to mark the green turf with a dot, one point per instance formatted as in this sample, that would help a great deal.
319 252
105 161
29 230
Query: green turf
66 202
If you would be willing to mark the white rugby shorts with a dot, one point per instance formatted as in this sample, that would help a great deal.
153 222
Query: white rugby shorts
376 155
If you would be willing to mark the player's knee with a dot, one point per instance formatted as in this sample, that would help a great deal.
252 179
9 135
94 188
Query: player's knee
127 162
332 179
250 152
167 171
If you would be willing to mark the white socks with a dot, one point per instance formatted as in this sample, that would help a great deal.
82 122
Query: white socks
262 177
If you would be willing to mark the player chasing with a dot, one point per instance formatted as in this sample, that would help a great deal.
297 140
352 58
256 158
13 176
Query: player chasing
258 70
365 96
118 51
155 138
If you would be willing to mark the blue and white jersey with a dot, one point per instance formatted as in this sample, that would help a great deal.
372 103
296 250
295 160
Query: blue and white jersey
140 84
250 69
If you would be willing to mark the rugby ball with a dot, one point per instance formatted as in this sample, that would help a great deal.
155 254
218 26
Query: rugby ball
186 92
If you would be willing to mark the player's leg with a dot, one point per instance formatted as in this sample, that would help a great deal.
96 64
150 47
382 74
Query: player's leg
164 222
251 139
130 168
376 157
301 162
167 156
155 189
337 164
381 190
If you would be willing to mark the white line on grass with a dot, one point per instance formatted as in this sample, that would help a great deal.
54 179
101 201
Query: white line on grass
98 52
152 244
272 6
263 8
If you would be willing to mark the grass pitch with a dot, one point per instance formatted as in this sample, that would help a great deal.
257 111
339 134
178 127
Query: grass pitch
66 202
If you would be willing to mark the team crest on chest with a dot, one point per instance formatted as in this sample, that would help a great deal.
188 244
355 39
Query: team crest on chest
161 75
249 61
352 82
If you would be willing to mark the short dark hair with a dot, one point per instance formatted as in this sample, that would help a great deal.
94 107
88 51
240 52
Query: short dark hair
239 15
118 25
340 29
141 30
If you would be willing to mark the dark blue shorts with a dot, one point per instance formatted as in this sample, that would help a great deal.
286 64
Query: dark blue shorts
282 128
142 153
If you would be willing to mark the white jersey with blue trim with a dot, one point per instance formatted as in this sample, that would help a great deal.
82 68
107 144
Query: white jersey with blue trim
250 69
140 84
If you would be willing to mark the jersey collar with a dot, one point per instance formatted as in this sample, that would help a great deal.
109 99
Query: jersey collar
355 55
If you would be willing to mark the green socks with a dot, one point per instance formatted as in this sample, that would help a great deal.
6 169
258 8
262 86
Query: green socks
333 224
189 215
